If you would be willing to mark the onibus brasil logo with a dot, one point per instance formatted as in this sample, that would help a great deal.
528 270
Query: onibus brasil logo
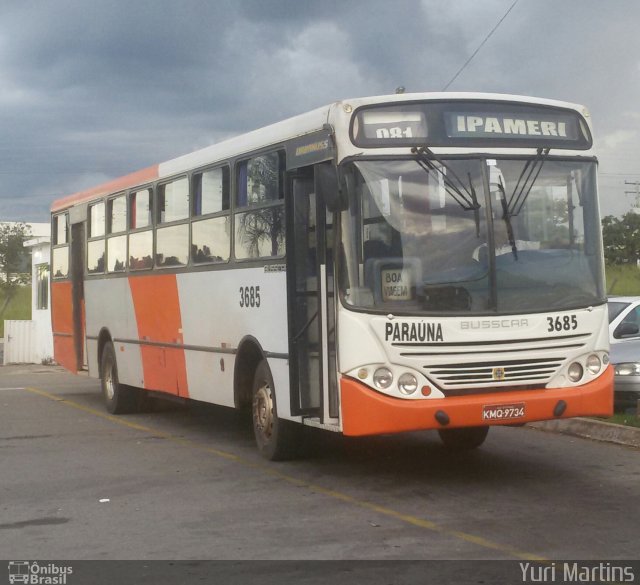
34 573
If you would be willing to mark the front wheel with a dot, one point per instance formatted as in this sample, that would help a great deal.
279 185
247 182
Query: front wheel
463 439
118 398
276 439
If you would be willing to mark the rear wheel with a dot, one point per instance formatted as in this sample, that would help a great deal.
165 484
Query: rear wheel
276 439
118 398
464 439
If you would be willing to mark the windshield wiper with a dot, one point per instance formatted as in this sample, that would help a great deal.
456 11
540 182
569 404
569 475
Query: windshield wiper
464 197
506 216
530 173
520 193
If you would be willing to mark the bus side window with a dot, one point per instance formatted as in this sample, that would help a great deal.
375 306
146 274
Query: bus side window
141 237
172 242
210 237
116 224
259 223
96 245
60 253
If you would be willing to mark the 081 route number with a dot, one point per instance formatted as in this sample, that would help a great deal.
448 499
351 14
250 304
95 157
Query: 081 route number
249 296
564 323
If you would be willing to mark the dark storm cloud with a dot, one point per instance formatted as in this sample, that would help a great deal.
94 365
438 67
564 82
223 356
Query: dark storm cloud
92 92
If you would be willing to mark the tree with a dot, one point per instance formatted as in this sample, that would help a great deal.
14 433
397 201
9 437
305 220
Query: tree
621 238
15 261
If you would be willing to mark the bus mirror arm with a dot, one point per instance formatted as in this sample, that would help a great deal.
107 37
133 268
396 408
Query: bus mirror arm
333 186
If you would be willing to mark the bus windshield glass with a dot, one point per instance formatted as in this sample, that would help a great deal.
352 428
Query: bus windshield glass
473 235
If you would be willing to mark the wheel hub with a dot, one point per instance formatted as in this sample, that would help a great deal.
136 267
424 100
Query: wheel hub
108 383
263 411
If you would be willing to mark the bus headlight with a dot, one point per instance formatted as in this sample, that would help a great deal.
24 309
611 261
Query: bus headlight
382 378
593 363
407 383
575 372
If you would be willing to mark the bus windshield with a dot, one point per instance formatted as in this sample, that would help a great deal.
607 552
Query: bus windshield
471 235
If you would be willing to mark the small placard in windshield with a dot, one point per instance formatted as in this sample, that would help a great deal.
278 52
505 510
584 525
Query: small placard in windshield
397 284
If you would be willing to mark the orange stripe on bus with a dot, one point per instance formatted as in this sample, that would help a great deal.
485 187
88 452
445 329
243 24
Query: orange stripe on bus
157 309
366 412
62 324
126 182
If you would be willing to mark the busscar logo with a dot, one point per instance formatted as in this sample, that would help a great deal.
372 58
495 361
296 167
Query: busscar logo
34 573
498 374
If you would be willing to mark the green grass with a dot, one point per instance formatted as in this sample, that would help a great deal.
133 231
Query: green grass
629 420
623 280
19 306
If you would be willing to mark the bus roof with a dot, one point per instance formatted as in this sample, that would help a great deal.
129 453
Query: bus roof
269 135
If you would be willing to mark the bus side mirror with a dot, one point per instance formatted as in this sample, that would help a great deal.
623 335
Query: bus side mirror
329 186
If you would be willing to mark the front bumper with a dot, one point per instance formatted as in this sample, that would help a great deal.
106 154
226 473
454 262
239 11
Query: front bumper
367 412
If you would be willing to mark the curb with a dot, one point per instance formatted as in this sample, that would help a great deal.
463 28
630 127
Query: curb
592 429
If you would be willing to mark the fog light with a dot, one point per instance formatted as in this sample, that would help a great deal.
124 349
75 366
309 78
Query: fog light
575 372
627 369
382 378
593 363
407 383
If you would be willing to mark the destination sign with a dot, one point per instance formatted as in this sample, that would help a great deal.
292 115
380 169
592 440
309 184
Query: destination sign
393 124
480 125
469 123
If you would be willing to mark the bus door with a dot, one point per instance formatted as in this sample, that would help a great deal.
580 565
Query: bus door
312 361
77 293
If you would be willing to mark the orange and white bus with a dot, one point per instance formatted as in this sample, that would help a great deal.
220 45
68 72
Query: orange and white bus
379 265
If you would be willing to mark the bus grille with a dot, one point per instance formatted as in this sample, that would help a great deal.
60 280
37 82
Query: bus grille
498 373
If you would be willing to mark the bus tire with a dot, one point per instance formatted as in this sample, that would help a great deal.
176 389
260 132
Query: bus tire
463 439
118 398
276 439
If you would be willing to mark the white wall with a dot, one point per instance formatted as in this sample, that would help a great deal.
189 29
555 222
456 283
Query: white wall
43 339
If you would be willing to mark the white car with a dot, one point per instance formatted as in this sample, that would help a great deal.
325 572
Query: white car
624 319
625 358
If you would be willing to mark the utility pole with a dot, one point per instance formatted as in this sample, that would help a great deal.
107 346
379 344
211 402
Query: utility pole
635 206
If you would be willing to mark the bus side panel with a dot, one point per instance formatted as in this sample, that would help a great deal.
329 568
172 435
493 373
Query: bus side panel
109 306
216 317
157 310
62 323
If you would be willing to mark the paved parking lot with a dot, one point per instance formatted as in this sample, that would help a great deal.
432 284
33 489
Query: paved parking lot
187 483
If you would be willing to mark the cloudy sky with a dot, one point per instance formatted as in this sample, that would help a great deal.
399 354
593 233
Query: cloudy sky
93 90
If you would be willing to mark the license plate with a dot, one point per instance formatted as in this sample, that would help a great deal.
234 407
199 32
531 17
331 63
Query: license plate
503 411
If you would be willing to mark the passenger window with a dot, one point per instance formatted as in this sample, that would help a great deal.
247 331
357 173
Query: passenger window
260 233
173 201
141 250
95 256
117 214
60 262
60 229
140 209
260 230
96 220
211 191
172 245
259 179
117 253
210 240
